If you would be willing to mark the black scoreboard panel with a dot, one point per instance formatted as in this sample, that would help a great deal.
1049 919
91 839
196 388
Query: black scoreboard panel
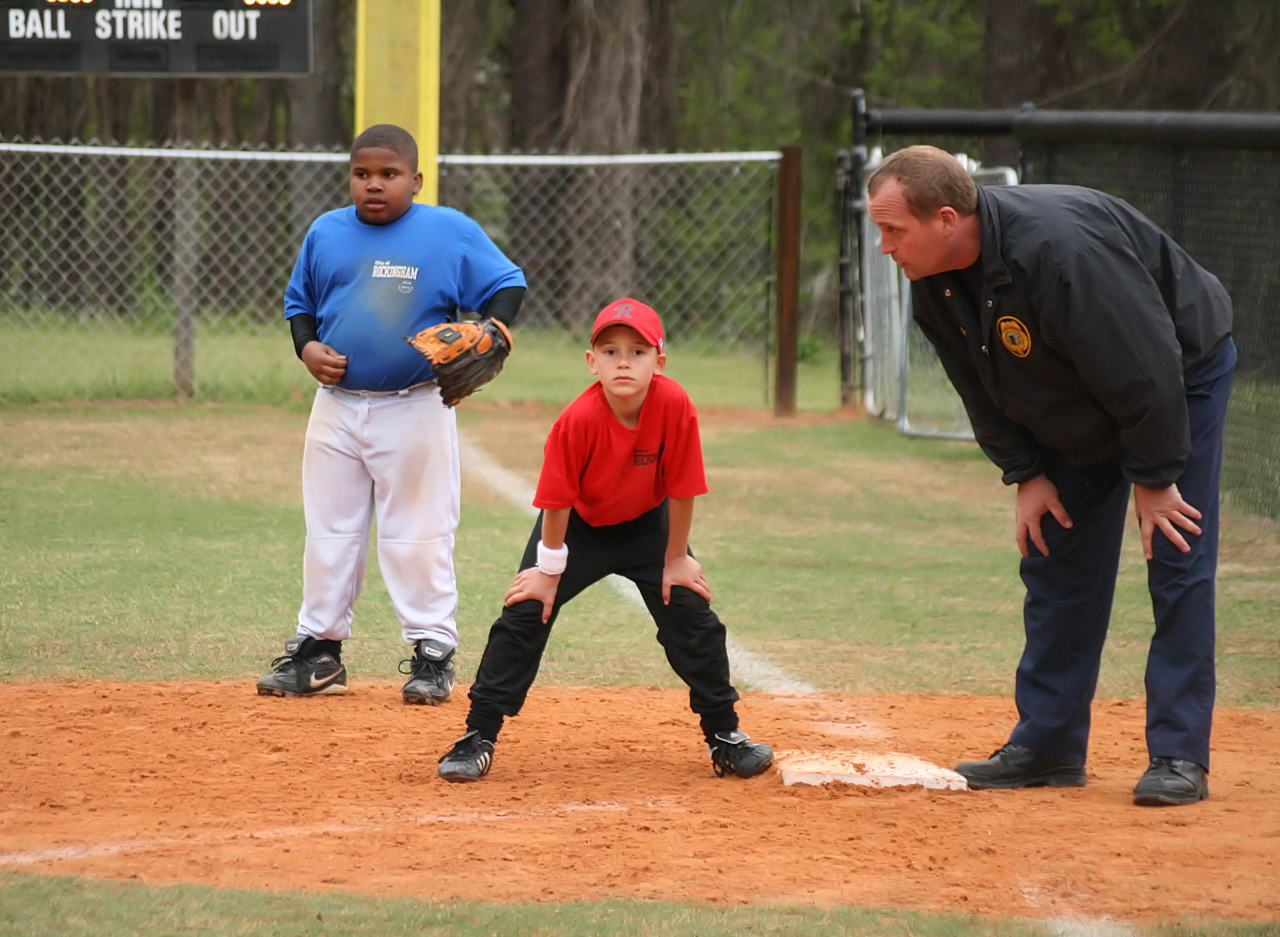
155 37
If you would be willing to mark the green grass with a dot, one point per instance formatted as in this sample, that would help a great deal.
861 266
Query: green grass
857 559
1251 466
120 580
36 906
32 905
107 360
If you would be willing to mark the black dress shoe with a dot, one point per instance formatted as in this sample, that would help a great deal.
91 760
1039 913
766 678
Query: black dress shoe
1015 766
1170 782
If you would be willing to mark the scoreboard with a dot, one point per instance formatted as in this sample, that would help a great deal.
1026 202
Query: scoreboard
153 38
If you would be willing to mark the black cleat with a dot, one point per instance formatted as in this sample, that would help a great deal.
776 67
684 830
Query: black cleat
468 760
735 753
1015 766
305 670
432 673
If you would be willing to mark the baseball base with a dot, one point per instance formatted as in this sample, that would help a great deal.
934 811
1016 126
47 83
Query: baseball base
869 769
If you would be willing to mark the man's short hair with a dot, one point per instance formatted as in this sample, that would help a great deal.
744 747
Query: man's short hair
389 137
931 179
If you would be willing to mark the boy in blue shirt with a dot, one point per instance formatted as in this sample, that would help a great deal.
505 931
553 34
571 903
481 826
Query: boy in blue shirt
380 443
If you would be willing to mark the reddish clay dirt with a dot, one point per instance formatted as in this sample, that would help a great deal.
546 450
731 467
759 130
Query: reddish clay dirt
607 793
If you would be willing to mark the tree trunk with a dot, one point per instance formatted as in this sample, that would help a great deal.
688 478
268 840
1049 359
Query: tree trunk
269 125
538 43
13 96
1192 59
539 73
317 117
607 54
113 100
224 92
659 104
1255 85
54 109
164 109
606 74
1010 77
464 26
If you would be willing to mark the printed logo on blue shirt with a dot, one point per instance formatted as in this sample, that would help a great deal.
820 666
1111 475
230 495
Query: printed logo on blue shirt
383 269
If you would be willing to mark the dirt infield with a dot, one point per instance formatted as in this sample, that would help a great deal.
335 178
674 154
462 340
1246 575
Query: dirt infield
607 793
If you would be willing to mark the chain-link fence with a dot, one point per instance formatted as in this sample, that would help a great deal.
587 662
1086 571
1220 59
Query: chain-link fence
133 272
691 234
1211 201
1207 179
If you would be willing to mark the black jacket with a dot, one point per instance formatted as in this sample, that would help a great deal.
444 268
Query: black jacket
1087 319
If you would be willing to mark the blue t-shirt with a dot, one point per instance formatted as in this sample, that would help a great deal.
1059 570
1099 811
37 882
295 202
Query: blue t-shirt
371 286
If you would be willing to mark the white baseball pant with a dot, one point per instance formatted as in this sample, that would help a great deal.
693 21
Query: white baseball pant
393 457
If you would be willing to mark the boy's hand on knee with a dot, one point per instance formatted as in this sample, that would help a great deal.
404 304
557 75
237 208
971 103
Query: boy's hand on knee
533 583
684 571
325 364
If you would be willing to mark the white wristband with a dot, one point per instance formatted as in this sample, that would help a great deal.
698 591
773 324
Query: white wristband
552 562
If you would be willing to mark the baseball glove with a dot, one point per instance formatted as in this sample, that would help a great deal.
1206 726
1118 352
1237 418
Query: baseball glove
464 356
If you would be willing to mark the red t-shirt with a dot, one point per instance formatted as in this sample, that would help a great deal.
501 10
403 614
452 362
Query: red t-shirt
613 474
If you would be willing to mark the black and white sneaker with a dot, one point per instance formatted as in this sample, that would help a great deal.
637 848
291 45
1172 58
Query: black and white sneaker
735 753
468 760
432 674
308 668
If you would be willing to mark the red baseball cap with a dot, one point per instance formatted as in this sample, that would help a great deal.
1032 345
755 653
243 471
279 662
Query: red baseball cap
633 313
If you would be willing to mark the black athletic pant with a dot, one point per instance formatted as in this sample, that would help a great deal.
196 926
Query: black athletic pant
688 630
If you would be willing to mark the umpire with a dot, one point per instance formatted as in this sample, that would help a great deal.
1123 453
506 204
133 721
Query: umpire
1092 354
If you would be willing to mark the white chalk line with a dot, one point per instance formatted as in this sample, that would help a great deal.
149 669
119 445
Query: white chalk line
1086 927
71 853
749 669
1070 924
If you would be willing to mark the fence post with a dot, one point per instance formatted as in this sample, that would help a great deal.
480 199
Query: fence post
184 276
185 245
784 396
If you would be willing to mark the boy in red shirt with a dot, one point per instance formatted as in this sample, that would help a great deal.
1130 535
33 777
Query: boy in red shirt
621 468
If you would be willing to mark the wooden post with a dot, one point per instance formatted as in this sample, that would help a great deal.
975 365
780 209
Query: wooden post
784 397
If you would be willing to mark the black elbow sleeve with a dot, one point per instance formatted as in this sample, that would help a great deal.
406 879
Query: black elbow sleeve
504 305
303 327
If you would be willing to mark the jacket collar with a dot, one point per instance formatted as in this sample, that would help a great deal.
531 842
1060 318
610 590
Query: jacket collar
994 270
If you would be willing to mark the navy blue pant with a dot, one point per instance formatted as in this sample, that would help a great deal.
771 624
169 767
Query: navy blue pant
1069 594
690 633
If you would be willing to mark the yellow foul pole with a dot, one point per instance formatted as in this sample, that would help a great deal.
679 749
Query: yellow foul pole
398 75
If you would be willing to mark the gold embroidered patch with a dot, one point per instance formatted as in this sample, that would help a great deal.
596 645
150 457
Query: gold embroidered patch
1014 336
